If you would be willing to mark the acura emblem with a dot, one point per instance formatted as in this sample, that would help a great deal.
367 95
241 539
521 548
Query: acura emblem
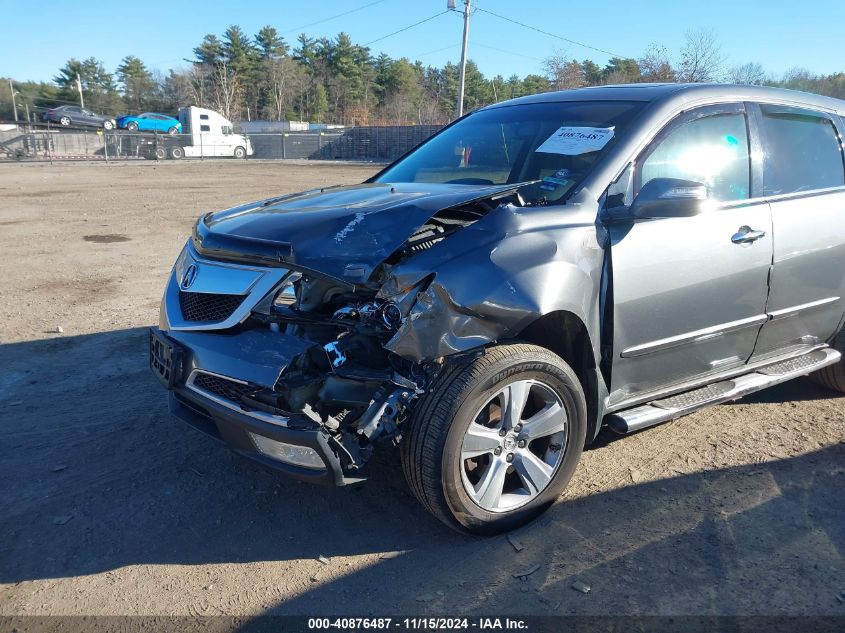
189 276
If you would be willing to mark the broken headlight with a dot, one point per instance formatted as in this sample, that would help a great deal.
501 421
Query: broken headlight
286 296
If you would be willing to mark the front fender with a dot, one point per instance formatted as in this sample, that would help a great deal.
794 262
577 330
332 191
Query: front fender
492 279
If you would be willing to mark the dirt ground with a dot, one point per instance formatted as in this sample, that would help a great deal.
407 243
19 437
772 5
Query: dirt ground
111 506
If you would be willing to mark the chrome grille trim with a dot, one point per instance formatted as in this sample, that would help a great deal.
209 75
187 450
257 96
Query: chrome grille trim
252 283
276 420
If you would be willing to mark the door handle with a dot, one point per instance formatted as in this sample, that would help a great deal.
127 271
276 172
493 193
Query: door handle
746 235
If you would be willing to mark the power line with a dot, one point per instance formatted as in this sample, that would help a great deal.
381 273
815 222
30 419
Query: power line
502 50
339 15
405 28
427 53
565 39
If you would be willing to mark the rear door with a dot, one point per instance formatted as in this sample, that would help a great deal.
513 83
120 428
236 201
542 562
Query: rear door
804 180
688 300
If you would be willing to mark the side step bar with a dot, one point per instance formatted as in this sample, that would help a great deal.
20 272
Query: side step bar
658 411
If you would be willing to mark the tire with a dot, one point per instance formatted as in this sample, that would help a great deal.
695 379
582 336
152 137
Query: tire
434 444
833 376
240 152
132 126
176 152
65 120
108 125
160 153
172 131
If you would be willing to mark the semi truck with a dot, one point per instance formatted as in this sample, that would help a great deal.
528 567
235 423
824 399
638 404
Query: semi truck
205 133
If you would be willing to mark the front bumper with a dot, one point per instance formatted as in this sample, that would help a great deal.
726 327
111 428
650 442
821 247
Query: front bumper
232 423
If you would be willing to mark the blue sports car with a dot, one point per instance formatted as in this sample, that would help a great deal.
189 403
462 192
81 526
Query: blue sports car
150 122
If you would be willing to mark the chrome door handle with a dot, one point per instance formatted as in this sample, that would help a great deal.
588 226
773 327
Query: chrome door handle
746 235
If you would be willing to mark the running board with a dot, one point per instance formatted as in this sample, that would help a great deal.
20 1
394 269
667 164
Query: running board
665 409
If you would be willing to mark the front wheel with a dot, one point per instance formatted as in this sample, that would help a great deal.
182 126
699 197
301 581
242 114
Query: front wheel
240 152
132 126
494 442
172 130
833 376
108 125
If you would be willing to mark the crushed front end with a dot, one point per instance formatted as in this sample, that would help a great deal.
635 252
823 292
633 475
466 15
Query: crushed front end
302 330
286 367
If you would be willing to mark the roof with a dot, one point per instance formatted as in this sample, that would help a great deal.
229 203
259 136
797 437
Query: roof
665 91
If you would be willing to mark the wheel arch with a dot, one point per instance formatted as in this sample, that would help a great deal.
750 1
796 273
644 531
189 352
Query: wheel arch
566 334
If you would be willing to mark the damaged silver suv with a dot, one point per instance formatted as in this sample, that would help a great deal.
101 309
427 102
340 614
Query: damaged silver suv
541 268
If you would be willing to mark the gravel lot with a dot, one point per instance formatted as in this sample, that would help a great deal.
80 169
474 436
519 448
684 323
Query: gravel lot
113 507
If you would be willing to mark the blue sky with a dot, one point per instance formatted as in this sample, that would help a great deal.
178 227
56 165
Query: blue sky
38 39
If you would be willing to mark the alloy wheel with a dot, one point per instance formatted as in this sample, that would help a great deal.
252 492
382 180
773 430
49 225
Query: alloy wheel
514 446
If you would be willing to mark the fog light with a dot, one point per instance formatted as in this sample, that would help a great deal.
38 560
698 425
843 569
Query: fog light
288 453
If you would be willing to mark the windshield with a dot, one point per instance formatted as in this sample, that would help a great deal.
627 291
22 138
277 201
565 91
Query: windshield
553 143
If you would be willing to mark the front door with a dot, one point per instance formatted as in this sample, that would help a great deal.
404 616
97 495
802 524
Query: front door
804 178
689 293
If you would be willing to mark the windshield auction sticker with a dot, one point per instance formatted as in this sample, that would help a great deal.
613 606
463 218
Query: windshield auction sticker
572 141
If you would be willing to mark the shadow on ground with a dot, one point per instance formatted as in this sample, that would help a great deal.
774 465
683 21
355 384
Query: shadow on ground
98 476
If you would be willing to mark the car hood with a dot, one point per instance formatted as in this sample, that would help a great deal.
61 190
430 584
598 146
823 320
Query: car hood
343 232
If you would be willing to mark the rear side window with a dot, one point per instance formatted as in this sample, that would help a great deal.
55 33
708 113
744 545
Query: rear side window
802 152
712 150
205 128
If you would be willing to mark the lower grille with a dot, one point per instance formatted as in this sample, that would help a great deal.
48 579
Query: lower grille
221 387
200 306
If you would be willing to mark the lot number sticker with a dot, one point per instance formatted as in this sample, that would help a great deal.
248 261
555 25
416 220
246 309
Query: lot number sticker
572 141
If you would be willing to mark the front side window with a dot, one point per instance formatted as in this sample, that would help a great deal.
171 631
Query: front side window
802 152
551 145
712 150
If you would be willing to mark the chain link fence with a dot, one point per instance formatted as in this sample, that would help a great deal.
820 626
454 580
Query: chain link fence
370 144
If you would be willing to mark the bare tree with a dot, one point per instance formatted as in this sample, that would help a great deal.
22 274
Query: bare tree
225 90
701 57
198 76
655 65
563 73
750 74
283 78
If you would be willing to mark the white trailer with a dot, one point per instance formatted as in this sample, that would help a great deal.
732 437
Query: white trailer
205 133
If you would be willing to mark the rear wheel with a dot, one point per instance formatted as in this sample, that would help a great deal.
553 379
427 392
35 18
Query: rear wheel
65 120
176 152
161 153
108 125
833 376
132 126
240 152
494 442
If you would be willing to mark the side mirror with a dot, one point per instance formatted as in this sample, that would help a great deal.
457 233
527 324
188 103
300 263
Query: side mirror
669 198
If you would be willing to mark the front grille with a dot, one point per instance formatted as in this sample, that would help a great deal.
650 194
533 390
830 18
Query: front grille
201 306
221 387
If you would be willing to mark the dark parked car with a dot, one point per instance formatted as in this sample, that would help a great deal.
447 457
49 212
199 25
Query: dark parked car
541 268
75 115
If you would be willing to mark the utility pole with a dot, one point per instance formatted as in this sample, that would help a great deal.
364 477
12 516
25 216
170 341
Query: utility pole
14 105
79 87
459 111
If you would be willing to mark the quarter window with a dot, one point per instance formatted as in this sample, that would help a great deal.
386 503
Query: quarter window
712 150
802 152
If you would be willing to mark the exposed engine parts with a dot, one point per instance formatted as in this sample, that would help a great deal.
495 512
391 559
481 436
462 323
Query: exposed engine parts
367 316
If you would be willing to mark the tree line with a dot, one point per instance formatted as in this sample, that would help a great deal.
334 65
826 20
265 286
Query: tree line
335 80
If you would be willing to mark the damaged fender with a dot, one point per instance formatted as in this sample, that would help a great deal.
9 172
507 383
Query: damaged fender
492 279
